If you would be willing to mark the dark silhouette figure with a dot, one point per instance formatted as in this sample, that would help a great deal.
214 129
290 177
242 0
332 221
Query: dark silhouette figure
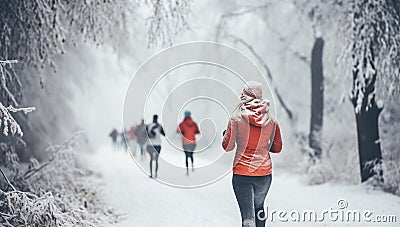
154 132
124 140
141 134
188 128
114 136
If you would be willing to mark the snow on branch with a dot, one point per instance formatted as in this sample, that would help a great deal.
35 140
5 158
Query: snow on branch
56 193
54 151
3 81
7 121
25 110
168 18
375 49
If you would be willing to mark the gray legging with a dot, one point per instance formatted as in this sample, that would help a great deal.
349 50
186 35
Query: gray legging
188 148
250 192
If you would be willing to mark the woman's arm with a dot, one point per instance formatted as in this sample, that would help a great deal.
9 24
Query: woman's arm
196 130
228 143
277 143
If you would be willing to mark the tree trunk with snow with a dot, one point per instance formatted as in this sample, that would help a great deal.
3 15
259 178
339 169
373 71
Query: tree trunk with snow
369 146
317 98
375 52
367 115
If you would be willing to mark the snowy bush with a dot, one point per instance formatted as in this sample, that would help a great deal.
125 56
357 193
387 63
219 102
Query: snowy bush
319 173
391 177
332 169
339 161
56 193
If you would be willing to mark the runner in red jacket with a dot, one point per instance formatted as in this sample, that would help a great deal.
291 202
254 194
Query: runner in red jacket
188 128
255 133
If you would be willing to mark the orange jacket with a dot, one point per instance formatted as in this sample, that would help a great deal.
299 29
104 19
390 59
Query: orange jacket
188 128
252 155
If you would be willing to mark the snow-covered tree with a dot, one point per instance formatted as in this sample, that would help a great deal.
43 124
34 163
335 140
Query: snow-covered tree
57 192
375 53
37 32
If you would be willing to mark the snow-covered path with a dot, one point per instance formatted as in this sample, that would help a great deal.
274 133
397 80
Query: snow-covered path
149 203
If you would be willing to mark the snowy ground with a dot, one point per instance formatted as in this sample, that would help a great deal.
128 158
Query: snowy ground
149 203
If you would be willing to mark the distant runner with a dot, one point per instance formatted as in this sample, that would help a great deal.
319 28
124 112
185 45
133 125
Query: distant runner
188 128
154 132
114 135
141 134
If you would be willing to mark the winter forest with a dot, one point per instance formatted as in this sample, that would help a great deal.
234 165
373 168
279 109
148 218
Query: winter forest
69 78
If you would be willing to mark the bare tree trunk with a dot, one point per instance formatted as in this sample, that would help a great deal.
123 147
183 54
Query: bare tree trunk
317 98
367 115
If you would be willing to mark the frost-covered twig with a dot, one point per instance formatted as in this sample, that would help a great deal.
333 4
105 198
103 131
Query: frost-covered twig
168 18
54 152
7 121
26 110
3 82
62 194
7 180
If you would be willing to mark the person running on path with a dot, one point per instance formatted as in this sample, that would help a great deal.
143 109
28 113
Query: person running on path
154 132
114 135
124 140
141 134
188 128
256 133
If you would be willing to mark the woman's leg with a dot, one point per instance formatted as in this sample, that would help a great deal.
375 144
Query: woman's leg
187 159
151 150
191 158
141 151
191 154
156 154
261 187
244 193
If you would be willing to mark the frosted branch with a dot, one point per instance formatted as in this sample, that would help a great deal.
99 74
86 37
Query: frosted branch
26 110
7 180
3 82
7 121
54 150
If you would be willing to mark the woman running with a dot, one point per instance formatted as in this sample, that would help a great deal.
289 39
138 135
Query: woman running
188 128
256 133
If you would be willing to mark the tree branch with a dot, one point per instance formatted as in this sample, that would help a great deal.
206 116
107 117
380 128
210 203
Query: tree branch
251 49
236 13
8 181
67 143
267 70
3 79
